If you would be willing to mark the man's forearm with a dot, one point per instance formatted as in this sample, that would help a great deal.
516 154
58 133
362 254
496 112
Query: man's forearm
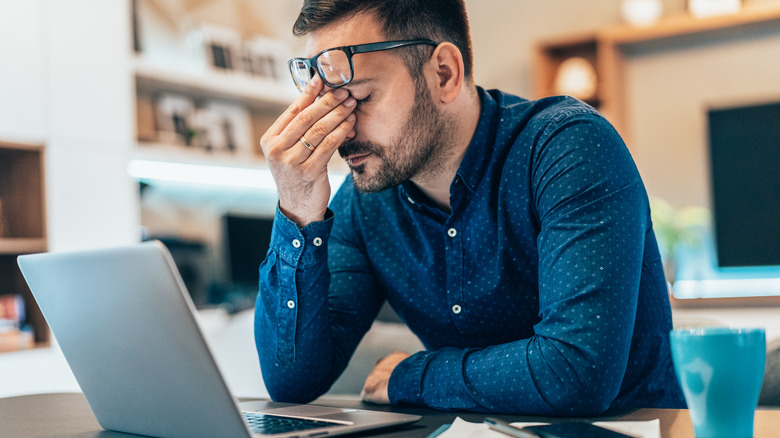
532 377
292 330
309 318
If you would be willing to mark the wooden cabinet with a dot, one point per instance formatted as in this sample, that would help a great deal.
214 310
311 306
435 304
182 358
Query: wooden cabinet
606 50
22 231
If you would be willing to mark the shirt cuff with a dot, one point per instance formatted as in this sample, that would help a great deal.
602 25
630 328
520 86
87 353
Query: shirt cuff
405 385
301 246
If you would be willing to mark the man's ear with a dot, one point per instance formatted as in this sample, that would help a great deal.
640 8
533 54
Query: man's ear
448 64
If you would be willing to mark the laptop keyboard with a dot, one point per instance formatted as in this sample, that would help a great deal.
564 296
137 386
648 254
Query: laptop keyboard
272 424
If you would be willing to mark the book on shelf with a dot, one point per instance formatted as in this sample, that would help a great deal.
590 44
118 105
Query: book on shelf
12 336
15 340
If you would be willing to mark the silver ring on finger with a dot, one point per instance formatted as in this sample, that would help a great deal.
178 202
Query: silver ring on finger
307 145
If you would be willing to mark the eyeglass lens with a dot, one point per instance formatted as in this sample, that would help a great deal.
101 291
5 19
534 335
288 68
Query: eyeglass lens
333 66
301 73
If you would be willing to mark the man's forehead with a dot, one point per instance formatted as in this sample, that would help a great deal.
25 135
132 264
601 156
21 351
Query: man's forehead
359 29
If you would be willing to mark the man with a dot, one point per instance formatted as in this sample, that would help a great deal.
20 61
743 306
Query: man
513 237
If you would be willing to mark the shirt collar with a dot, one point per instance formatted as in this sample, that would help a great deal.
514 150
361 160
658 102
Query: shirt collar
474 164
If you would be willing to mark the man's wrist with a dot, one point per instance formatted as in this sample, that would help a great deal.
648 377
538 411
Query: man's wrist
302 220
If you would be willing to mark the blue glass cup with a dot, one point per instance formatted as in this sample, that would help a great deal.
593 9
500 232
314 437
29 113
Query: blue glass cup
720 370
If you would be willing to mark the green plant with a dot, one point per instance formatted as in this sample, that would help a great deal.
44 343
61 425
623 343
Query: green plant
675 227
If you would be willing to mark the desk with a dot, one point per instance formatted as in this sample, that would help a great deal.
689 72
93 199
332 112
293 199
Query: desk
68 415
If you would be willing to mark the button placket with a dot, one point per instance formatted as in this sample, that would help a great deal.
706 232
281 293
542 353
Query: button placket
455 280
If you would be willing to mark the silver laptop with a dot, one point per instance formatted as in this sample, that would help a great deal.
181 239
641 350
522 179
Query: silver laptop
127 327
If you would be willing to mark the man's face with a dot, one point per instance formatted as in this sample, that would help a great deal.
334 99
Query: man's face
400 132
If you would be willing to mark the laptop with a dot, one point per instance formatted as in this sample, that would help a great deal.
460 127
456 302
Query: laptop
127 328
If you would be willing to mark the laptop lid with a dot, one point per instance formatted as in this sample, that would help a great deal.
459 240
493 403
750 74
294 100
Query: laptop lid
132 342
126 325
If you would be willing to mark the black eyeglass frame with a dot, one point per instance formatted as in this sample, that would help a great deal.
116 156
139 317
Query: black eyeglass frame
311 63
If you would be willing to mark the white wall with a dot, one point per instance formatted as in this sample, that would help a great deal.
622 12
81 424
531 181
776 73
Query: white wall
22 67
65 82
670 88
89 98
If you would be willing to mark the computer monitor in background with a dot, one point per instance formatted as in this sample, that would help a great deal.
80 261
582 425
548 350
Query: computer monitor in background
247 239
743 258
744 146
744 261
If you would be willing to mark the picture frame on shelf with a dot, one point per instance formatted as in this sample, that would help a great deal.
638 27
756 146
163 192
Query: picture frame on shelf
13 336
208 132
212 126
11 312
259 57
173 114
230 127
266 58
223 47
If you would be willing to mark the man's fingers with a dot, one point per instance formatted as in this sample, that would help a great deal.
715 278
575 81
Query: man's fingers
373 392
320 116
309 95
324 137
331 142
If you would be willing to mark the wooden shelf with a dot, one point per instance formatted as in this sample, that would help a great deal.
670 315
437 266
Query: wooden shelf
167 153
686 24
15 246
23 232
605 48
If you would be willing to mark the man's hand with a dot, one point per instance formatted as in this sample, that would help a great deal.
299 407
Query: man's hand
375 388
299 145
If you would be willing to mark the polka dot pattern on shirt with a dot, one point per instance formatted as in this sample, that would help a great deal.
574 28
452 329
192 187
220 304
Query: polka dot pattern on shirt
541 292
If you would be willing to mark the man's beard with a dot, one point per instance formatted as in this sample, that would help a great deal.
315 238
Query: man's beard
416 149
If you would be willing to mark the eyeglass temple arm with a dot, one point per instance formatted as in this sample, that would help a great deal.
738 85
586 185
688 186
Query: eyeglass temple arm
386 45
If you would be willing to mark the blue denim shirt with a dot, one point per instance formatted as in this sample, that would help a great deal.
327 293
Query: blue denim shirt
541 292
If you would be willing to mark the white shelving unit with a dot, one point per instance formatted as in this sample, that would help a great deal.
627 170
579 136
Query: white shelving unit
264 99
257 93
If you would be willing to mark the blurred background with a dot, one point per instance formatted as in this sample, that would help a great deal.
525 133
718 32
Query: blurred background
126 120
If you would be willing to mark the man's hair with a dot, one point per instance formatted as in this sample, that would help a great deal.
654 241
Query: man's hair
437 20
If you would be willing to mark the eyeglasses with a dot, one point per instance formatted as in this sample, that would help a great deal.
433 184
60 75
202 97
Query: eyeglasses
335 65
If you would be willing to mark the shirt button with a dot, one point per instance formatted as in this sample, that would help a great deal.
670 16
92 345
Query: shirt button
291 304
452 232
296 243
317 241
456 309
